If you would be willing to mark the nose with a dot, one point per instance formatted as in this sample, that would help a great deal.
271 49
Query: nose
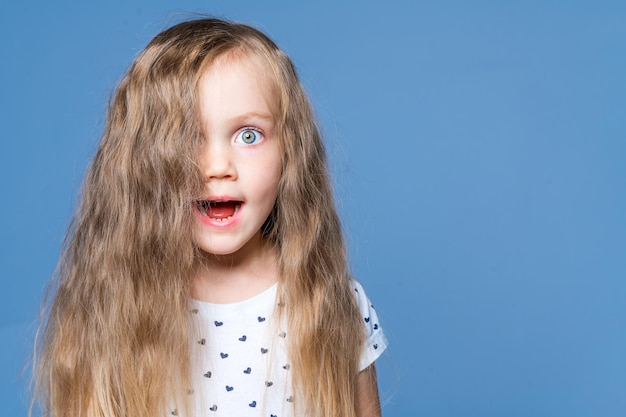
217 161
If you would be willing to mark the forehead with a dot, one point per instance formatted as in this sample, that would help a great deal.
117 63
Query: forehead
234 90
251 68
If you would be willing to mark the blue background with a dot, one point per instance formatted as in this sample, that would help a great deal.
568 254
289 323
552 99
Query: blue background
479 157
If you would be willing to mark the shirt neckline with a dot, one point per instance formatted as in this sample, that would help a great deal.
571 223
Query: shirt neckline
262 298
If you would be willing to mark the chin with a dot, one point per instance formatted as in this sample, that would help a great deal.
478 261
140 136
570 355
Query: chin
218 252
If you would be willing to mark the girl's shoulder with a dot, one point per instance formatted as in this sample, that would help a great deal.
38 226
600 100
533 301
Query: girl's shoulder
363 301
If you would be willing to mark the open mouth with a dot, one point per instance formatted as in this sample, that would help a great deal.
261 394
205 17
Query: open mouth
218 210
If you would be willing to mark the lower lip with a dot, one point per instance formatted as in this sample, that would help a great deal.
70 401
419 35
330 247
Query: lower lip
219 224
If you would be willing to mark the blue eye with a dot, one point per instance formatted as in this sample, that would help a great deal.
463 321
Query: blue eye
249 136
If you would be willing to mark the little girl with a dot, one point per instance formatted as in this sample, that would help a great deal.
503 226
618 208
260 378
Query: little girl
204 273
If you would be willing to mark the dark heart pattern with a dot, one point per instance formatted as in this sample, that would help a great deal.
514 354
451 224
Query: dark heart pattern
370 320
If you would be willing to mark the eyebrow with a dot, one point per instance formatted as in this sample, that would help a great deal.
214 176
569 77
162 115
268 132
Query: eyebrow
254 115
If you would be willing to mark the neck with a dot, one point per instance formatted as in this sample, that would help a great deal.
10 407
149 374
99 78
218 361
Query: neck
238 276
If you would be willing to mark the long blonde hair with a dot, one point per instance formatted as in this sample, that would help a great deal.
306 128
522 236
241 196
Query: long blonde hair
115 341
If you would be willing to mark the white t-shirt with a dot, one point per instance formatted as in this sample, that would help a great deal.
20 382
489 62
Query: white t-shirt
242 368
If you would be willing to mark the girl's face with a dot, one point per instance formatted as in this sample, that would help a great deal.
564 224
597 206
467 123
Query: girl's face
240 158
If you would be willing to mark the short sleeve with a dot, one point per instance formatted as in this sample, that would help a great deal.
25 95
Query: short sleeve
375 340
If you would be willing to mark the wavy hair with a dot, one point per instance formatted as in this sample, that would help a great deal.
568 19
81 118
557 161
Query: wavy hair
114 341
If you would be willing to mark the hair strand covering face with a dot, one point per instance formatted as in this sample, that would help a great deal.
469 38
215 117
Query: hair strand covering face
115 341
